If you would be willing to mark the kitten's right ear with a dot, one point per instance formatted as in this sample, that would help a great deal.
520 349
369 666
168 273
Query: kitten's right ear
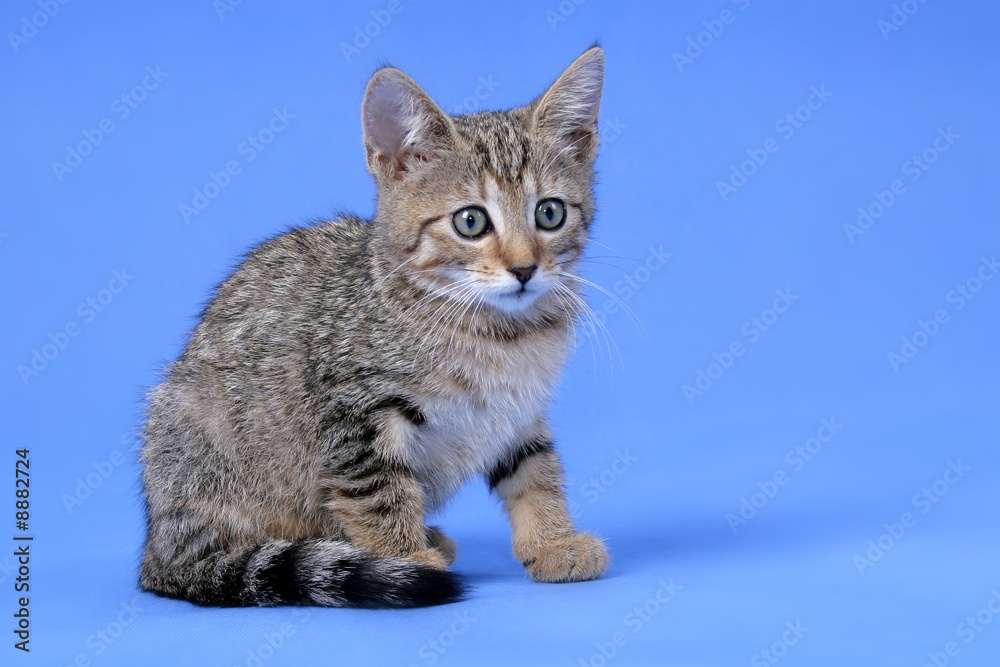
403 127
567 112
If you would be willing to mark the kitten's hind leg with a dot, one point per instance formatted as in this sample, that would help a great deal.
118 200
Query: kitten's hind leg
530 483
185 558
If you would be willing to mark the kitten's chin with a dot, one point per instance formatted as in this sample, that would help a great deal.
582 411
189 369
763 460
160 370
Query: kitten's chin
516 303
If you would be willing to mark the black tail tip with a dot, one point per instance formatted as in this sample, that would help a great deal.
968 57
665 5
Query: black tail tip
416 585
431 586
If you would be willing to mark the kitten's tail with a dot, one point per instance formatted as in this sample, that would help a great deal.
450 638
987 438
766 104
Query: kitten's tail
322 572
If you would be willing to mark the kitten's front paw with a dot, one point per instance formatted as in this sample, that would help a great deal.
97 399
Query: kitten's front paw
578 558
430 557
443 543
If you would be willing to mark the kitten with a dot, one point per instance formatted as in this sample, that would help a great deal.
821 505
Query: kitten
350 376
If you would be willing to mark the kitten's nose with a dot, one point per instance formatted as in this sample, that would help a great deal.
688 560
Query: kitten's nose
523 273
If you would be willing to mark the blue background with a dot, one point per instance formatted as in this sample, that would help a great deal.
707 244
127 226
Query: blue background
655 473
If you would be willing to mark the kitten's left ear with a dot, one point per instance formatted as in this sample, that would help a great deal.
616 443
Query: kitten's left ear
567 112
403 127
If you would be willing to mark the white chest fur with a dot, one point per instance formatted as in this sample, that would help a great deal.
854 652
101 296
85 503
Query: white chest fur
467 432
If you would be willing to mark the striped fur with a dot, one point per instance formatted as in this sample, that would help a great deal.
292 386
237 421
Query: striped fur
350 376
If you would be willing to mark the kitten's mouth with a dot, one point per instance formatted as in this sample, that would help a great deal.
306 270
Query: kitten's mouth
515 300
523 293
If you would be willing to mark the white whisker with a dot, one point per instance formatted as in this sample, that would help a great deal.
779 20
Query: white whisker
624 306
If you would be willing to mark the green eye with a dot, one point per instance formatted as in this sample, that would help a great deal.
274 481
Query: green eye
471 222
550 214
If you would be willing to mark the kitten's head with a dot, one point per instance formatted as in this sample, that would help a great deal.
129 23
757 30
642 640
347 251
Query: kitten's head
491 208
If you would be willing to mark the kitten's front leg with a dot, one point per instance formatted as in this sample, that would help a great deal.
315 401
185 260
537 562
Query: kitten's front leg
530 483
443 543
381 508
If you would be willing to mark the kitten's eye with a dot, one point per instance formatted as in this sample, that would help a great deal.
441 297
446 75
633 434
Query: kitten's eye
550 214
471 222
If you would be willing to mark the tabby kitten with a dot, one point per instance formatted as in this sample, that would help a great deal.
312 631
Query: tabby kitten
350 376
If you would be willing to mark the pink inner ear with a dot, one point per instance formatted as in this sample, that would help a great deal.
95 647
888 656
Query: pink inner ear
386 119
404 128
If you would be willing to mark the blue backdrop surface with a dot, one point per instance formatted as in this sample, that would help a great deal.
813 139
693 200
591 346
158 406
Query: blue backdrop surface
792 455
